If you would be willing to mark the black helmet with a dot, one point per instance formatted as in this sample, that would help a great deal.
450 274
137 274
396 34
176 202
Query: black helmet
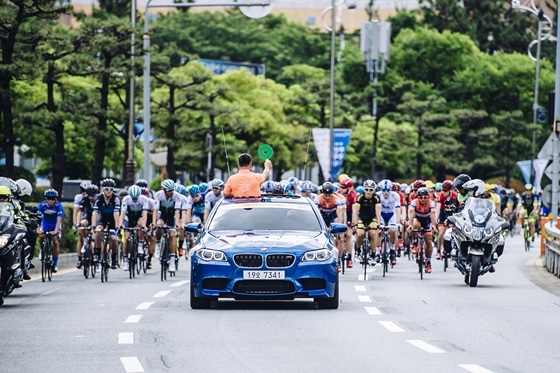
423 192
92 190
142 183
460 180
327 188
108 183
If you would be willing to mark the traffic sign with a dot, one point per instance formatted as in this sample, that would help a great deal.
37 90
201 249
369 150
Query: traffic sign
546 150
547 196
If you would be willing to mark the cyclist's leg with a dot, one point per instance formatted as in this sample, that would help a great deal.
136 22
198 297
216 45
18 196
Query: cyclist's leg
56 251
441 232
349 246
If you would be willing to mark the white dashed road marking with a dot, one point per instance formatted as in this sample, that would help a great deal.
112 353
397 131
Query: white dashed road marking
162 294
425 346
474 368
144 306
364 298
360 287
126 338
133 319
373 311
180 283
392 327
132 365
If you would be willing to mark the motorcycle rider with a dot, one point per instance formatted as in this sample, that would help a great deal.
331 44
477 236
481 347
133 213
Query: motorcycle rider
29 219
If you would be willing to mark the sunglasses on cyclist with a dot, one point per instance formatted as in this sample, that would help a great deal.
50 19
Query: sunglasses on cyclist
216 188
385 190
51 198
422 197
108 188
168 190
368 189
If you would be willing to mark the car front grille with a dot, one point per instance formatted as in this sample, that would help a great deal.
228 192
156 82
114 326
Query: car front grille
248 260
280 260
264 287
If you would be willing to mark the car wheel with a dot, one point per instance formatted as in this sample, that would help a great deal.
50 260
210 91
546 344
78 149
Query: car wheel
199 303
329 303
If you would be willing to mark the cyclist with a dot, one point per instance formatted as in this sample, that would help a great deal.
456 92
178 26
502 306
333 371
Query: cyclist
216 194
134 209
446 205
332 208
77 199
84 218
143 184
150 218
348 192
181 192
204 189
364 214
529 209
388 213
307 190
51 212
491 195
196 205
106 210
422 213
167 211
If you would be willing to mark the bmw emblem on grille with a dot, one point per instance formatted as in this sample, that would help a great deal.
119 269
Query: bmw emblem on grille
264 249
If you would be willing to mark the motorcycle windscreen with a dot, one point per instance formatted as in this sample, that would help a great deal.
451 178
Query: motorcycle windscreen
6 217
478 210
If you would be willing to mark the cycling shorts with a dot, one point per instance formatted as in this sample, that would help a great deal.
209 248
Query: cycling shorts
370 223
389 219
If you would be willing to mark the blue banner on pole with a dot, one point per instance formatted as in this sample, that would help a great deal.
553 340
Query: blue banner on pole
340 144
221 67
525 168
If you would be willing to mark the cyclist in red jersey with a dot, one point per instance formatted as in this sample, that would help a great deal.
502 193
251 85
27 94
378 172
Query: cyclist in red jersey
348 192
422 213
446 205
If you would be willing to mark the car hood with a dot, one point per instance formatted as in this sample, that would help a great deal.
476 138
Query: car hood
280 240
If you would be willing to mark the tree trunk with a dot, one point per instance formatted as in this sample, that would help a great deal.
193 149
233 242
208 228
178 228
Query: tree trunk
101 137
171 173
7 124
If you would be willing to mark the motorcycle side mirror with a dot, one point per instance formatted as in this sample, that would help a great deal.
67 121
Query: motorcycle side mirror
451 219
505 225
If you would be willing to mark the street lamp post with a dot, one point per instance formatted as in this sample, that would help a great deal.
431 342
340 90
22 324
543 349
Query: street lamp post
146 46
130 163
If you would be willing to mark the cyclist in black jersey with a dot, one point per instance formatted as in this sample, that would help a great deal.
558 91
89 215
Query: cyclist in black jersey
106 210
84 217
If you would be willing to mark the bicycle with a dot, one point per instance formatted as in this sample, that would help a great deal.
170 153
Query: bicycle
46 257
104 262
385 257
133 257
527 235
420 256
165 255
366 254
87 254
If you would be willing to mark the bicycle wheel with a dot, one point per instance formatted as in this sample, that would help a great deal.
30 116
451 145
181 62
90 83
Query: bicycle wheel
164 259
343 259
50 262
527 237
44 263
85 263
365 255
445 261
385 259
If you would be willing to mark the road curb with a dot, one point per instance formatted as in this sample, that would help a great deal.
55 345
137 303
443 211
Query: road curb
65 261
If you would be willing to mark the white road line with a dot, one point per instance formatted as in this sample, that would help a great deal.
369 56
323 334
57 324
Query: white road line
132 365
425 346
52 291
364 298
373 311
360 287
474 368
392 327
132 319
144 306
162 294
126 338
180 283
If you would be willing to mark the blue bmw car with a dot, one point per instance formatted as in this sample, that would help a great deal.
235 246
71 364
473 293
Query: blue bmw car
270 248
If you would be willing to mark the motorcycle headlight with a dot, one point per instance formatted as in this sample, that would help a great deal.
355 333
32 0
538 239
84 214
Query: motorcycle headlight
4 240
488 232
477 234
316 255
467 229
211 255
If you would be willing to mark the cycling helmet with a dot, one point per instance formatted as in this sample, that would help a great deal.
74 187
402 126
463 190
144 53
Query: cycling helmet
293 181
488 187
181 189
403 187
418 184
267 187
438 186
92 190
342 177
142 183
460 180
369 184
84 184
528 187
327 188
5 192
203 187
423 191
430 184
10 184
307 186
145 191
108 183
217 183
134 191
168 184
194 190
385 185
359 189
24 187
477 186
346 183
447 185
123 193
278 188
51 193
396 187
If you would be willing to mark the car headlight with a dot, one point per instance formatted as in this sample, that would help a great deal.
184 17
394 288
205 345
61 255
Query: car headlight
317 255
4 240
211 255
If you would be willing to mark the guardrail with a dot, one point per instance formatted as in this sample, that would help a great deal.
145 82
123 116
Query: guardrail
552 249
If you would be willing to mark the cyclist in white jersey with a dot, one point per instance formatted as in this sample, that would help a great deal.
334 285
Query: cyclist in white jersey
181 191
389 214
151 238
134 213
168 208
216 194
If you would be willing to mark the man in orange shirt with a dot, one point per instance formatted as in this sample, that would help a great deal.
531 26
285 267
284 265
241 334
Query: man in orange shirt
246 183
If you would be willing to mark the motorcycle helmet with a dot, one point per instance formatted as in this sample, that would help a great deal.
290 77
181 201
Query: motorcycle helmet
460 180
168 184
5 192
385 185
476 186
24 187
327 188
10 184
134 191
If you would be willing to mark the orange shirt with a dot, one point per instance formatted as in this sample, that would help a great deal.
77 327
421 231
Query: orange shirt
245 183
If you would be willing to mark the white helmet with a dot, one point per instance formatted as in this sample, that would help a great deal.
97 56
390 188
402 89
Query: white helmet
25 188
477 186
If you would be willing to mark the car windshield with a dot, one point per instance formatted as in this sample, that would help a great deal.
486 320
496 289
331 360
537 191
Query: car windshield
265 216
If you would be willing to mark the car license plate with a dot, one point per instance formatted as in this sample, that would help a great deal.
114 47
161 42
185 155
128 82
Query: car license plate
264 275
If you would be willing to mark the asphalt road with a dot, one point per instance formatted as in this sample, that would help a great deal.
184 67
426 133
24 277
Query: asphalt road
509 323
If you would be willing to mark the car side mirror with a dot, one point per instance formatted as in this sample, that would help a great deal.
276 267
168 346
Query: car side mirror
193 228
338 228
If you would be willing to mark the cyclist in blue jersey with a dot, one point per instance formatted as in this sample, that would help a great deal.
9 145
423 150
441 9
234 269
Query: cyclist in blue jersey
216 194
106 210
195 212
51 212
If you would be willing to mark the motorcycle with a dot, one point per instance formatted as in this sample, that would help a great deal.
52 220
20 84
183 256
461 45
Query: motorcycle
11 241
477 236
